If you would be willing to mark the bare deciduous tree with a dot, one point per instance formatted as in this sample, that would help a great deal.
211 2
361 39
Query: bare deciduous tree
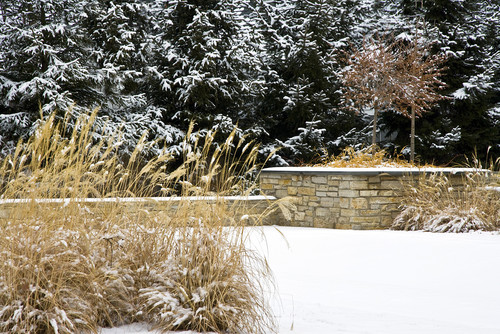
393 74
368 77
418 80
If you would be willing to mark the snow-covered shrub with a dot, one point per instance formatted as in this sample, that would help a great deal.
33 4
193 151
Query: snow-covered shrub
451 219
437 204
355 138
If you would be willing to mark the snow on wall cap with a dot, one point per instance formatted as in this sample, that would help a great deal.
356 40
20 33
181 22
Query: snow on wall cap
66 201
371 170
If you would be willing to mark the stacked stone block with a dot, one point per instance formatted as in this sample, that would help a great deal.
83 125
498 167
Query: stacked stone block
337 200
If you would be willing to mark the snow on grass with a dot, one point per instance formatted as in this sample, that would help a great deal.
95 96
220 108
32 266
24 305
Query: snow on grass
139 328
391 282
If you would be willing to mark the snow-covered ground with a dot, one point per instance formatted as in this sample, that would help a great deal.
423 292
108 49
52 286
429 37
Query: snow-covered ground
342 281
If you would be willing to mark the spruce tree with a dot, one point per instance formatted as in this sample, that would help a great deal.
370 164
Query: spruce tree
120 42
301 84
209 73
40 64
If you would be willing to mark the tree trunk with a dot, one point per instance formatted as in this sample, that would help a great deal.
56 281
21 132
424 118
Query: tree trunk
374 131
43 18
43 21
412 135
3 12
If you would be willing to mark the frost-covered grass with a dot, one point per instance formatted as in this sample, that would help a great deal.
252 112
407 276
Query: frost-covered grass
71 267
79 272
435 203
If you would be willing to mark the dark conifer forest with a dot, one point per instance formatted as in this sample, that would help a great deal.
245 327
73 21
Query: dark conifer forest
272 68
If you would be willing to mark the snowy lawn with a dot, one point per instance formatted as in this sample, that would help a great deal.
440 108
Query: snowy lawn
390 282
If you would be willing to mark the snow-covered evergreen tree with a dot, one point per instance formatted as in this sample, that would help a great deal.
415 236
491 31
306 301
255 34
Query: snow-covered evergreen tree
308 146
209 71
119 44
40 64
301 60
302 40
88 53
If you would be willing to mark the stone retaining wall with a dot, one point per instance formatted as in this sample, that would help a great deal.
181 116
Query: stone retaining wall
251 205
357 198
350 198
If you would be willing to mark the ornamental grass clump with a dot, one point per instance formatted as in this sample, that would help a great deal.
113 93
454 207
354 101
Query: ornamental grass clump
205 284
76 256
368 157
48 281
436 203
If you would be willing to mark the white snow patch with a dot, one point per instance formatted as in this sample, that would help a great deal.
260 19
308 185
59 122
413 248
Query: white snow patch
460 94
338 281
371 282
